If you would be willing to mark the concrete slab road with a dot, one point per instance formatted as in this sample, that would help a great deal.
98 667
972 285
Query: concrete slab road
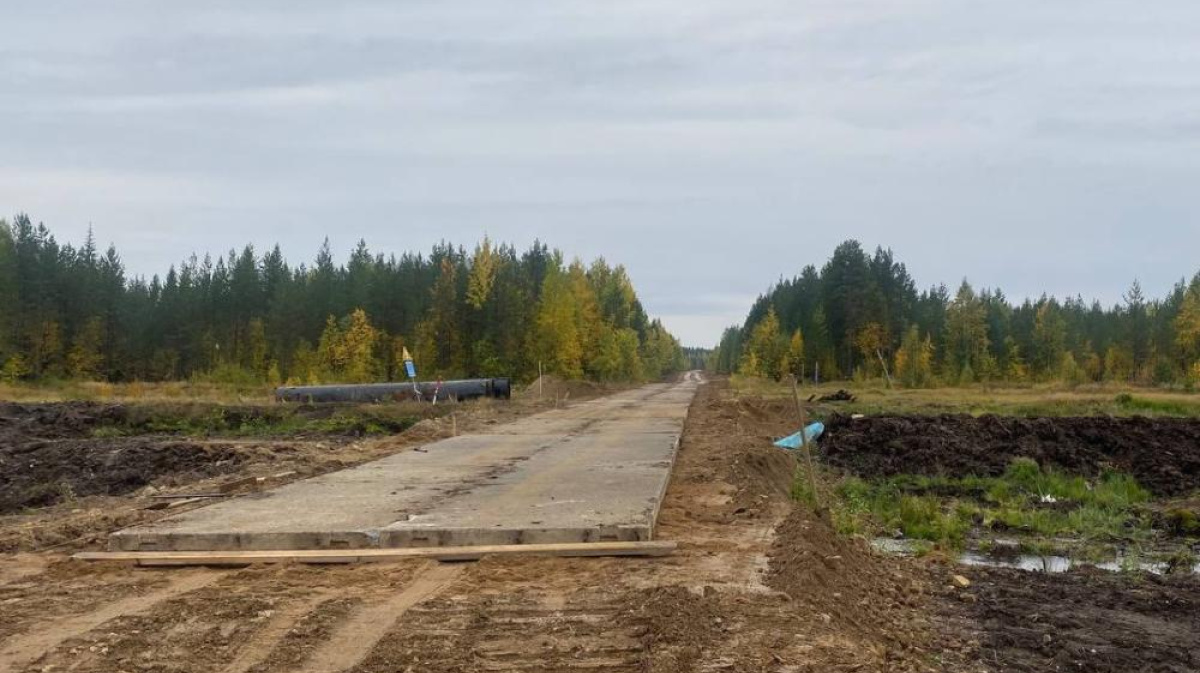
594 471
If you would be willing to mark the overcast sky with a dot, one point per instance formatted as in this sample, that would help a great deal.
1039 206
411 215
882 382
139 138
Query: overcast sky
711 147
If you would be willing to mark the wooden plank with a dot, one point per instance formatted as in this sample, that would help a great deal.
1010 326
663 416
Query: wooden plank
239 484
174 504
326 556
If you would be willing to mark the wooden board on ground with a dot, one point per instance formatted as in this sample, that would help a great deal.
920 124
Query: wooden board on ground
326 556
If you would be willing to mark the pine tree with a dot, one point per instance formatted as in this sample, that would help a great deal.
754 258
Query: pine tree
10 299
1049 338
85 359
444 329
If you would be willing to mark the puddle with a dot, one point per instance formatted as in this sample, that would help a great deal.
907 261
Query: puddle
1030 562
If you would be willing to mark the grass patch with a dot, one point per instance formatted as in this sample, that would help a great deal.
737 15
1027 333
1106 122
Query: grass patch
874 397
1154 406
137 391
1026 500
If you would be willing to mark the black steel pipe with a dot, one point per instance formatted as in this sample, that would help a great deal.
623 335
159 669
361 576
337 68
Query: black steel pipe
397 392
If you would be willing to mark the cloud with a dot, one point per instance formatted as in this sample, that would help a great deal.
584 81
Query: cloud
710 146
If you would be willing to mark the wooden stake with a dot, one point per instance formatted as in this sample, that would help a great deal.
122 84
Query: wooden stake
812 475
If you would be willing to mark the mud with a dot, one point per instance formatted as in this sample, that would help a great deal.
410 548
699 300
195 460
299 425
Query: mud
1162 454
1085 620
48 456
39 474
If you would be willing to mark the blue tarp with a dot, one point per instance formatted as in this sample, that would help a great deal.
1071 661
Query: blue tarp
792 442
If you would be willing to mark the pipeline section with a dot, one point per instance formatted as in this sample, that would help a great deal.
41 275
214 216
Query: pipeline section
430 391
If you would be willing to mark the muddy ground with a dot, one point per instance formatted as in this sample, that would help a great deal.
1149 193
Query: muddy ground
1086 620
1163 454
758 584
58 452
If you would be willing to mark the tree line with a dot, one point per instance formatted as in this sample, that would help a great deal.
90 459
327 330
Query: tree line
72 312
862 315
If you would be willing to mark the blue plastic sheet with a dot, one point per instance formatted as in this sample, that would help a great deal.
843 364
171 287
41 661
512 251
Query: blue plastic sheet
792 442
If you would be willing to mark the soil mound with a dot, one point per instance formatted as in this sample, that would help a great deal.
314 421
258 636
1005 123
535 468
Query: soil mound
737 436
40 473
842 583
64 419
1162 454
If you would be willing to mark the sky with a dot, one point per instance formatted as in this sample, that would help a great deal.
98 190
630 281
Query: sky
710 147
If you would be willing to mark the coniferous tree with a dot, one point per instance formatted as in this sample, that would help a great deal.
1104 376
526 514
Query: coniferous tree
849 310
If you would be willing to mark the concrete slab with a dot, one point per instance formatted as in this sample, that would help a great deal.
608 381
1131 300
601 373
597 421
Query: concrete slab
593 471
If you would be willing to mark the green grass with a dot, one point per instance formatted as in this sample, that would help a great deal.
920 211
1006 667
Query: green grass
1025 501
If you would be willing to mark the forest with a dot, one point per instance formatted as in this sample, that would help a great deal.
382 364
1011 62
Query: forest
70 312
861 315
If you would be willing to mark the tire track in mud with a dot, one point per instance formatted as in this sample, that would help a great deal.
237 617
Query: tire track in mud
355 638
530 630
40 640
272 635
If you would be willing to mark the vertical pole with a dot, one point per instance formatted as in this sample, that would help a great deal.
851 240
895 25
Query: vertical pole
540 375
812 476
885 367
